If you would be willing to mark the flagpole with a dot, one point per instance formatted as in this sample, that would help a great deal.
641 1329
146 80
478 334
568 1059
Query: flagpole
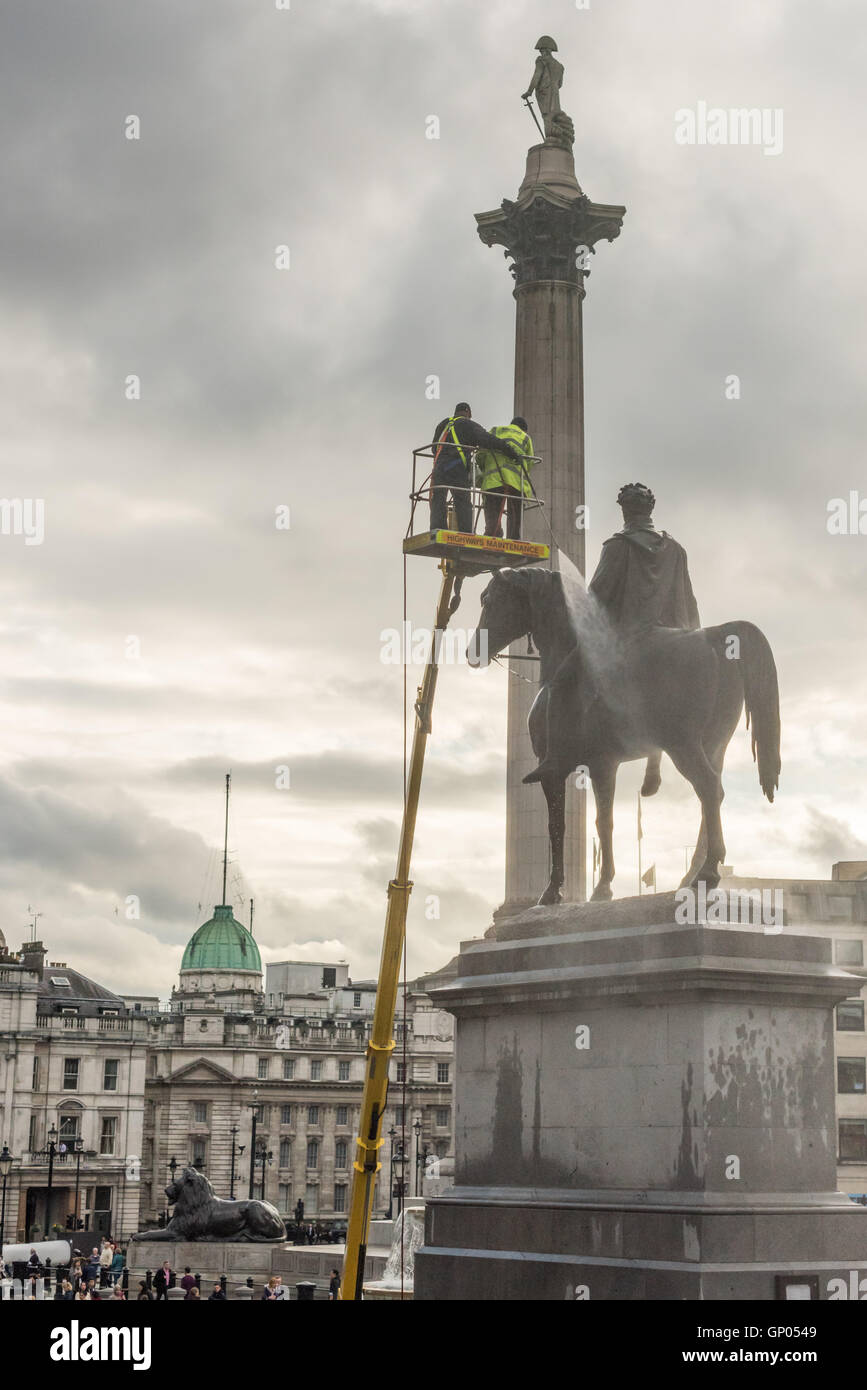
639 846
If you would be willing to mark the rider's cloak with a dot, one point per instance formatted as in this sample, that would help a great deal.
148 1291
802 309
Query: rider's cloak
642 580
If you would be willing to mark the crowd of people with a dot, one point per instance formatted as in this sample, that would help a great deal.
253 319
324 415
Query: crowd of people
102 1269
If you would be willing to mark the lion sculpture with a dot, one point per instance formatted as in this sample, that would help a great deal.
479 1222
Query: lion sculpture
200 1215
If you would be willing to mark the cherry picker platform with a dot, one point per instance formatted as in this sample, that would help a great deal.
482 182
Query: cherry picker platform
460 554
472 553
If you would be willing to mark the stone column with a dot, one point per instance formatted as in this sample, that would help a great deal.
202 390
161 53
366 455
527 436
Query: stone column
549 233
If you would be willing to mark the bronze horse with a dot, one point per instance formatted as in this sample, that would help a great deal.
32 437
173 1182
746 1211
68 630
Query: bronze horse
631 695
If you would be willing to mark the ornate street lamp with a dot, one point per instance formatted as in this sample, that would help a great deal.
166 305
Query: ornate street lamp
416 1129
236 1149
254 1106
52 1150
391 1134
78 1150
400 1164
6 1161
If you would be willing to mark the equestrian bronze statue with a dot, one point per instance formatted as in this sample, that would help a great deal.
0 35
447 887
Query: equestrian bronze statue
627 673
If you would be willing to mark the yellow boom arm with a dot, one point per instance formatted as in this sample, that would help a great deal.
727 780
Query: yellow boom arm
381 1044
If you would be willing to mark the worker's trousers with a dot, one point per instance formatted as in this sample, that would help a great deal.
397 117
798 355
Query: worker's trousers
450 479
503 499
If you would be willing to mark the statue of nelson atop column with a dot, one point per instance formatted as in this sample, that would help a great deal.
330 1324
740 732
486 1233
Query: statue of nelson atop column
546 84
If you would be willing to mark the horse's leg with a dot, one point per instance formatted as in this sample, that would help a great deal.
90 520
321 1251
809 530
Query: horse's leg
693 763
603 775
699 855
555 794
716 740
652 775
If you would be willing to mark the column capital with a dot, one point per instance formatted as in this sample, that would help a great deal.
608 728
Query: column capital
543 233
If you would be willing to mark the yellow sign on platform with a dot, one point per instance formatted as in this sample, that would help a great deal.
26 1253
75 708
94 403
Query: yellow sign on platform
495 543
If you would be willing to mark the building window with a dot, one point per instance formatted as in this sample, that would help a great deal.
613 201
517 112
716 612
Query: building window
340 1197
70 1073
311 1199
200 1112
313 1153
109 1074
97 1209
329 977
401 1071
850 1016
31 1142
262 1069
356 999
288 1068
35 1085
853 1141
67 1127
285 1196
340 1154
107 1134
315 1071
313 1114
442 1117
199 1153
400 1116
285 1153
849 952
342 1071
851 1075
285 1114
343 1114
442 1072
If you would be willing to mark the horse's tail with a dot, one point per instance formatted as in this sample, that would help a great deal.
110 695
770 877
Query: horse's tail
761 695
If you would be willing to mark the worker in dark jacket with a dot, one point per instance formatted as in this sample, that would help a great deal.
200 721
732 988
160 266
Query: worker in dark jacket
453 440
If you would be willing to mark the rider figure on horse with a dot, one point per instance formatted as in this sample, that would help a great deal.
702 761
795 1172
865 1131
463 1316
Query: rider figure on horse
641 581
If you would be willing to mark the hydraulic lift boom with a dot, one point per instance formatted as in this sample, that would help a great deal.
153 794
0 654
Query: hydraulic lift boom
381 1044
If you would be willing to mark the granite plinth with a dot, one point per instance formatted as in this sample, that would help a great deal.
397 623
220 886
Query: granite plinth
642 1110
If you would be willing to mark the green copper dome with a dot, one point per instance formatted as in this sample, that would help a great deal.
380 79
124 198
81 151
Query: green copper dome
222 944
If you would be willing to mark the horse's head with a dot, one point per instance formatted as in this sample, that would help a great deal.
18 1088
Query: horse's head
506 615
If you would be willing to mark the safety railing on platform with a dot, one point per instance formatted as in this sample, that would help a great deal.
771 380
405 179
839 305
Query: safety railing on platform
423 460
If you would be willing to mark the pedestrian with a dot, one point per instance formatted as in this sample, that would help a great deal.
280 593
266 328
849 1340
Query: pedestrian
163 1280
91 1269
188 1282
217 1296
119 1293
34 1261
117 1263
106 1255
144 1294
193 1295
274 1289
334 1287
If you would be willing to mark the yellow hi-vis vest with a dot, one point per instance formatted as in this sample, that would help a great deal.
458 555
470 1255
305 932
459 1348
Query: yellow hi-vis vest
496 470
450 436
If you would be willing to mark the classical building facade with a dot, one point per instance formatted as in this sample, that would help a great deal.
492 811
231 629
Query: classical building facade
288 1051
72 1071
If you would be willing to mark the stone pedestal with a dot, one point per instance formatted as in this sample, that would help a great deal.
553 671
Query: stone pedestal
544 232
643 1110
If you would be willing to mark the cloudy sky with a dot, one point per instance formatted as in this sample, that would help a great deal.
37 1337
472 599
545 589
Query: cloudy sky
167 630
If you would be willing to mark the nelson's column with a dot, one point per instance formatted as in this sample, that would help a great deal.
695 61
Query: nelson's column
549 233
